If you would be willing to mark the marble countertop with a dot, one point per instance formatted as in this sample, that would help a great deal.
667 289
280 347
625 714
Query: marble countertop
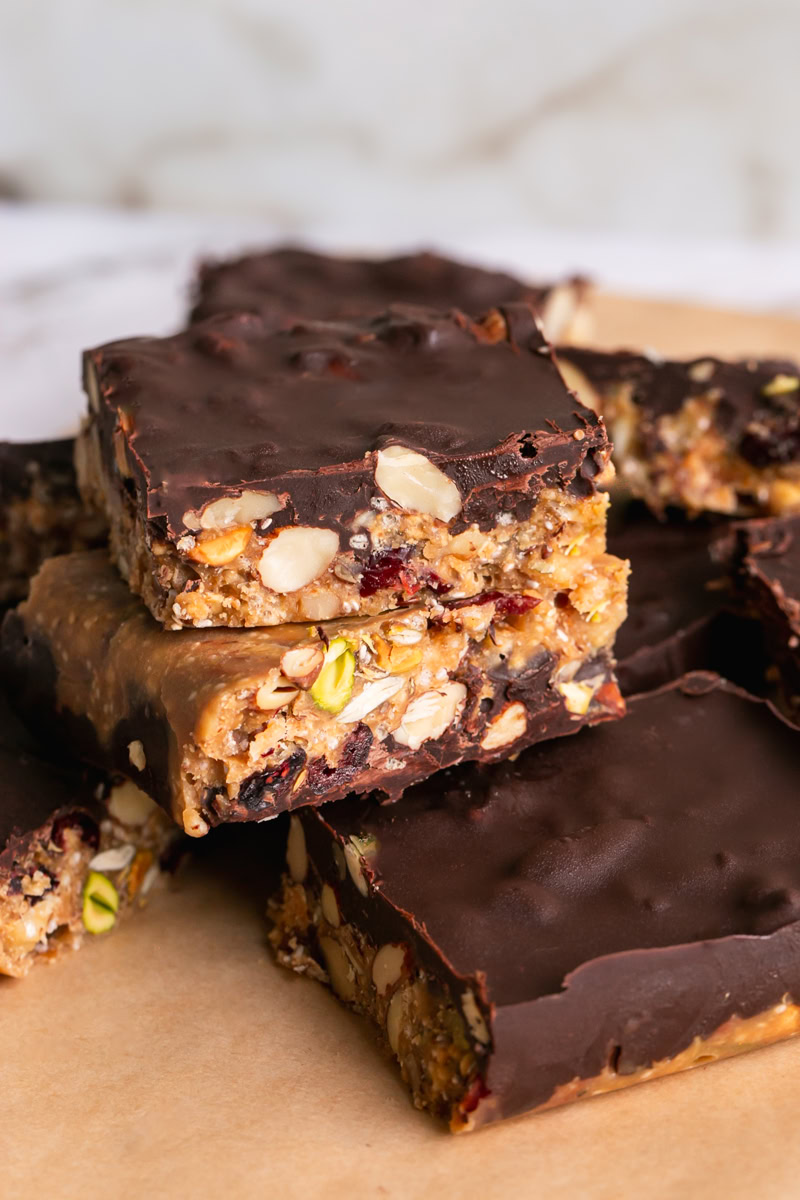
72 277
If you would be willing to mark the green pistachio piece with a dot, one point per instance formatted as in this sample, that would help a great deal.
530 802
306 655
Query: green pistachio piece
100 903
334 684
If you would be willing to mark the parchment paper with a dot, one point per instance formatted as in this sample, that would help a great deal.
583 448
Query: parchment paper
172 1059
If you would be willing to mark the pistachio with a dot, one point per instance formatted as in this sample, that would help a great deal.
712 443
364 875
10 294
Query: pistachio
414 483
100 903
223 549
334 684
296 556
781 385
577 697
302 664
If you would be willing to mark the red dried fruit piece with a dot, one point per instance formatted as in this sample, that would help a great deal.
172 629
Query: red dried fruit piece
431 580
477 1092
507 604
383 569
411 584
89 831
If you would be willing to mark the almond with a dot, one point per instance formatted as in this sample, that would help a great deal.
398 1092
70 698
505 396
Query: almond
239 510
296 556
506 728
413 482
429 715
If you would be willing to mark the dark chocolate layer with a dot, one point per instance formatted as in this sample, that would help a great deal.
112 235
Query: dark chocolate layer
682 614
21 462
772 551
609 897
34 794
769 575
301 413
288 283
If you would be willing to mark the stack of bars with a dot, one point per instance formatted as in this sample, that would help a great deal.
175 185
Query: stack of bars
358 572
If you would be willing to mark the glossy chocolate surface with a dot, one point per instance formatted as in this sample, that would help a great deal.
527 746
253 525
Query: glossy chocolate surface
769 577
608 897
301 413
289 283
683 613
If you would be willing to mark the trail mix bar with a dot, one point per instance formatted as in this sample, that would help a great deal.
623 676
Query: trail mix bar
254 478
701 435
606 909
40 512
683 611
769 576
287 283
75 853
222 725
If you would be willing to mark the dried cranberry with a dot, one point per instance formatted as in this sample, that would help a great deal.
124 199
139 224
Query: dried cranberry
383 569
507 604
438 586
352 759
76 820
477 1092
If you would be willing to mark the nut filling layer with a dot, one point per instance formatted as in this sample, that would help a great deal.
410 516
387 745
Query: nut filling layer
79 873
40 512
224 725
432 1035
254 477
417 1022
702 435
601 910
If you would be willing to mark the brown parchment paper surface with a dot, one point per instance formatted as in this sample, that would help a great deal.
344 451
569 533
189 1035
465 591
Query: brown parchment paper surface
172 1059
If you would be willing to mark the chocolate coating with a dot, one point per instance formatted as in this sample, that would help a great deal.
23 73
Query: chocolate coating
20 462
301 413
682 612
284 284
769 575
36 794
608 898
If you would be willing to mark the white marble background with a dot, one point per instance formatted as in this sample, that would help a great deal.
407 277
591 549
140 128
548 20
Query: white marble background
424 118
